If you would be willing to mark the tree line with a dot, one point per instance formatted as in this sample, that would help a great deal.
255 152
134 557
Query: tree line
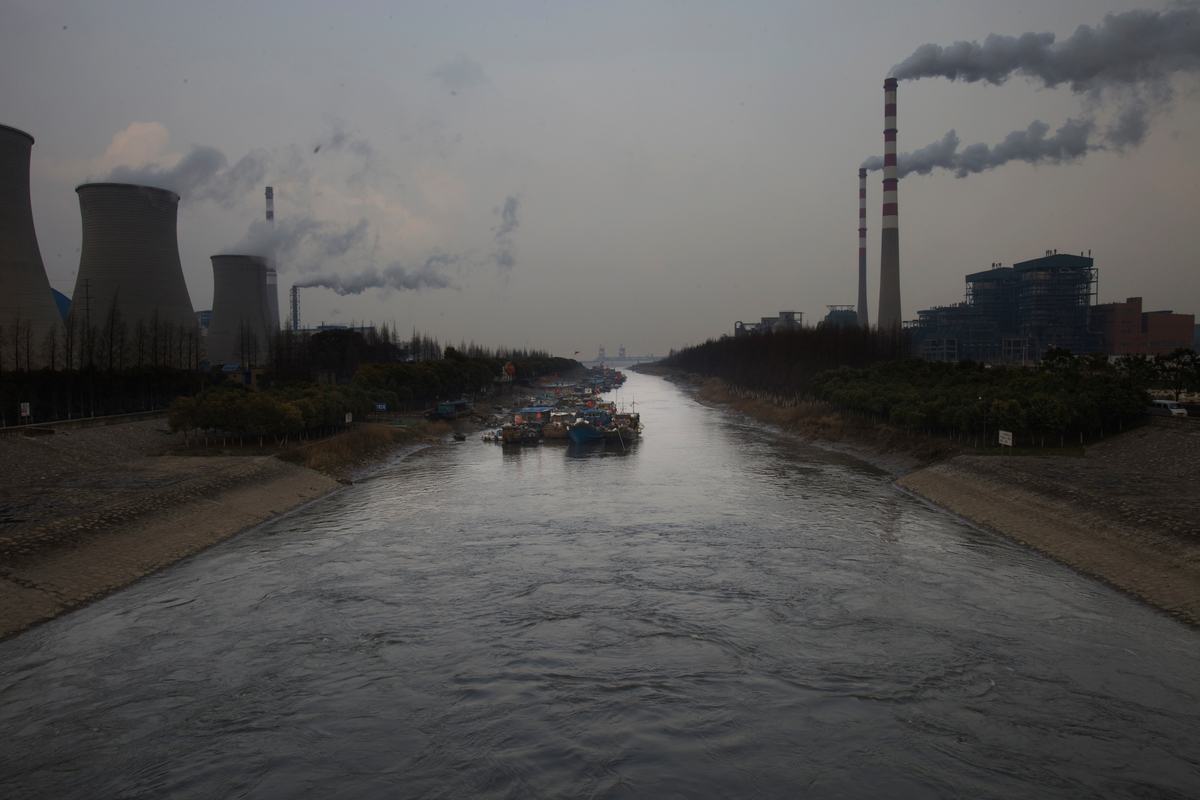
785 362
1063 395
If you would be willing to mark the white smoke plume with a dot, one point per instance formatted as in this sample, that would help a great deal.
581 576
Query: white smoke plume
300 241
1131 55
202 174
1069 143
393 276
503 252
1134 47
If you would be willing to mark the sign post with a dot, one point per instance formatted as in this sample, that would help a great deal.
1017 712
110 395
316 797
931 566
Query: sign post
1006 439
25 410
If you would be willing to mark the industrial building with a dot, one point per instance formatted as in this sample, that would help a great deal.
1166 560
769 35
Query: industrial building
130 257
27 307
846 315
786 321
1014 314
240 329
1126 329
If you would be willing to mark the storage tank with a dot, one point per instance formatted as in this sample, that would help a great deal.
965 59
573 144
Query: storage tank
130 252
240 329
26 300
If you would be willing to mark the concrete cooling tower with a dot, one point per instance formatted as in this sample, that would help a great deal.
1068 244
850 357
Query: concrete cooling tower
273 297
241 328
130 253
26 301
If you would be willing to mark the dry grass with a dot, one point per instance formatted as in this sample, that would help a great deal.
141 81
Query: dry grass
358 445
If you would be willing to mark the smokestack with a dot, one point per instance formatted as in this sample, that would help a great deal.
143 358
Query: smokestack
864 317
25 299
272 275
295 307
130 255
889 254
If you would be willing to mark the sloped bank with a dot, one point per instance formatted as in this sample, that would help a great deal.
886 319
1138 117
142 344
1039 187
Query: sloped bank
60 562
1125 513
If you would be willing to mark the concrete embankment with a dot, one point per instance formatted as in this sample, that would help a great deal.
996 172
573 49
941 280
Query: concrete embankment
1125 512
62 563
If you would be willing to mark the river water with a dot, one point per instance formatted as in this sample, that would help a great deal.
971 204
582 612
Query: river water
715 612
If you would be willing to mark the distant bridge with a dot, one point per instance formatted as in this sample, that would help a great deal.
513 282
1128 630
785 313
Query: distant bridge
623 359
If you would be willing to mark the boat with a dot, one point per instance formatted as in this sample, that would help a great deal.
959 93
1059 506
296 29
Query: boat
589 426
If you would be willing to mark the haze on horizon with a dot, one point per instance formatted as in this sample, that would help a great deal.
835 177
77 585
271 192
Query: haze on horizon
564 176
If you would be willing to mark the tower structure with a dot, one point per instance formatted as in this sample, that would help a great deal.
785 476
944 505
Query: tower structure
272 275
129 257
27 307
864 316
240 331
889 252
295 307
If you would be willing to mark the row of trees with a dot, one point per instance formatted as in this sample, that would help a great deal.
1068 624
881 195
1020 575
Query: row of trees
785 362
964 399
421 383
233 411
109 343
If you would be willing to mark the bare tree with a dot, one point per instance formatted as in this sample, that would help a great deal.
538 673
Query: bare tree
50 348
68 340
141 343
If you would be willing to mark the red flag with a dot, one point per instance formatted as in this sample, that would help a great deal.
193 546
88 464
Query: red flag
576 352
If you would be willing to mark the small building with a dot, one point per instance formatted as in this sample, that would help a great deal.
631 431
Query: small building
841 316
1125 329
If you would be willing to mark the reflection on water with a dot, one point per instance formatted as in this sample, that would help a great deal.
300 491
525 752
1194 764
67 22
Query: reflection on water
711 612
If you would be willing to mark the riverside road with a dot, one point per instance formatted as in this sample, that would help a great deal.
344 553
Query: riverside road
716 611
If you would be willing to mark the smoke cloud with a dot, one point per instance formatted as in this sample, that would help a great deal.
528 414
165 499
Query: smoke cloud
393 276
503 252
459 74
1032 145
1133 47
202 174
299 241
1132 55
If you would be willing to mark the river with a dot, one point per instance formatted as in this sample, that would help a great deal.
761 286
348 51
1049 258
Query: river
717 611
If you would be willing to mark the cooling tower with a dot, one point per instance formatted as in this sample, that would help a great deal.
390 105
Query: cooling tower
130 254
25 295
240 331
273 298
889 253
864 317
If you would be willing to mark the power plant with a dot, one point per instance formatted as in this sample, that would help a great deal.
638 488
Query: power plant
27 307
240 331
889 254
130 257
864 317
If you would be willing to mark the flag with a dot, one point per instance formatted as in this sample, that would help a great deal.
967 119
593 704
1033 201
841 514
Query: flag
576 352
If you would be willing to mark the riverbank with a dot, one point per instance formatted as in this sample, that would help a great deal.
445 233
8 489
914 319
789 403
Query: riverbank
1123 511
87 512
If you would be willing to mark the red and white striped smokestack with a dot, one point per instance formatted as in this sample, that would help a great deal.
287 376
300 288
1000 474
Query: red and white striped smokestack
864 317
889 254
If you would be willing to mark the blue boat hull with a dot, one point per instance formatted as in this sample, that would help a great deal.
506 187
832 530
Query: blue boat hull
584 433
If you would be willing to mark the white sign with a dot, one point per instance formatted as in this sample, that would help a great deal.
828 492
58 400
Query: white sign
349 417
24 409
1006 438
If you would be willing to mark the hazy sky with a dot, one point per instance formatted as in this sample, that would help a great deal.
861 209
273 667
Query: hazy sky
565 175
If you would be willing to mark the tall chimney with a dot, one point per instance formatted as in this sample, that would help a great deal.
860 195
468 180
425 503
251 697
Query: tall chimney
889 254
864 317
272 276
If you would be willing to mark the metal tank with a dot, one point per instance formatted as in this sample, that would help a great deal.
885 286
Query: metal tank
130 254
27 306
240 330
